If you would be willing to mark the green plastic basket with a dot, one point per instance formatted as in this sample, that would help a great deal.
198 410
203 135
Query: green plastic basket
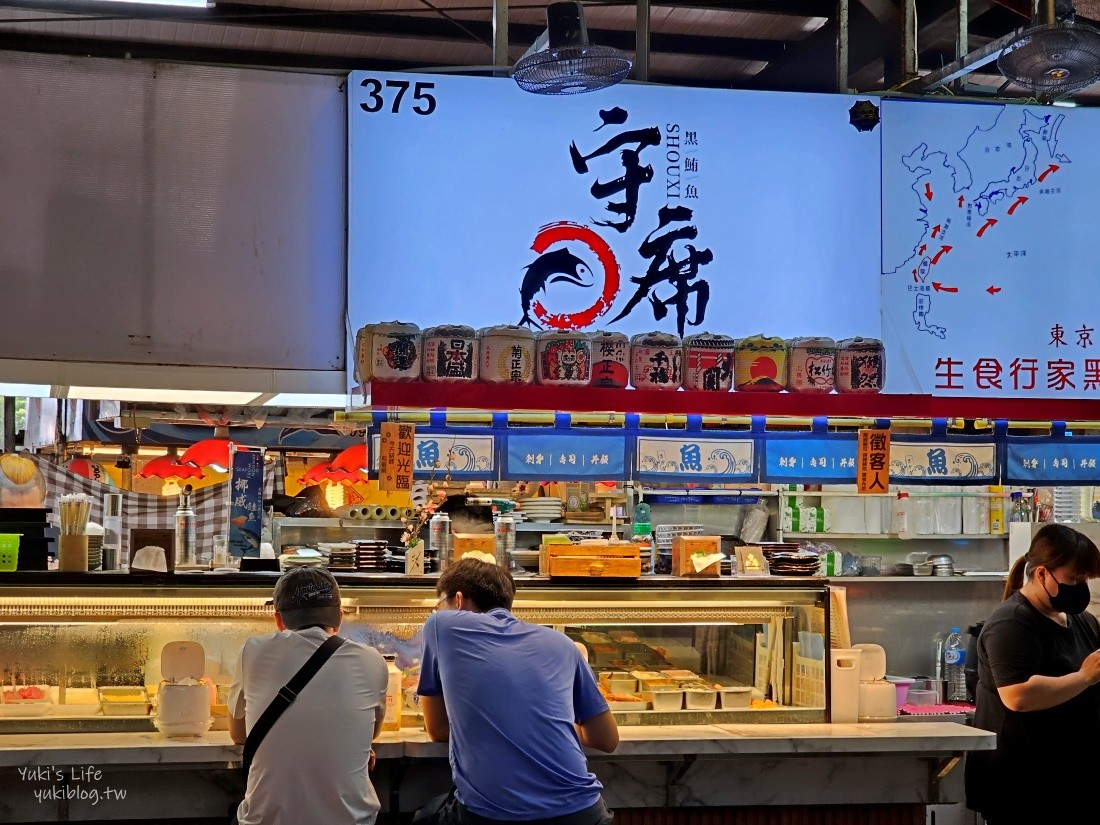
9 552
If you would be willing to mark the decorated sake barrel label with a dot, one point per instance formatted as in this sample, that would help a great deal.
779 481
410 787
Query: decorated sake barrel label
760 364
451 354
811 365
860 365
563 358
389 351
507 355
610 359
655 361
708 362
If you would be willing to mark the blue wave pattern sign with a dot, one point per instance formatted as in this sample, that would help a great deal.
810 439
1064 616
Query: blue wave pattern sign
820 460
659 458
567 456
1066 461
925 461
462 455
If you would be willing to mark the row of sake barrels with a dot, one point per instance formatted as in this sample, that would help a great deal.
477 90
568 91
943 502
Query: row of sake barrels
399 351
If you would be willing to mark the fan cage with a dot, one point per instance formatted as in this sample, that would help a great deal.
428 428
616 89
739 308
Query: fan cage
571 70
1055 58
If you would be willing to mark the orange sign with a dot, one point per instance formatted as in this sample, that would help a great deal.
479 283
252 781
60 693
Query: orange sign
873 461
395 457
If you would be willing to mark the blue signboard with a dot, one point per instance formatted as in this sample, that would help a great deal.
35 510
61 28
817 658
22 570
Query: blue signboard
793 458
694 457
246 493
565 456
943 460
1041 460
462 453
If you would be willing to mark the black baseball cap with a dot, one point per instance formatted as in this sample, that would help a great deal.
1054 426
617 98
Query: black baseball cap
307 597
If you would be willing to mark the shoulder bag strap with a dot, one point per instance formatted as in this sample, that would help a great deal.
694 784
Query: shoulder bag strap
286 695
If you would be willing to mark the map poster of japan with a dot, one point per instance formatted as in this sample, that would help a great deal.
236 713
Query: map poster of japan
990 248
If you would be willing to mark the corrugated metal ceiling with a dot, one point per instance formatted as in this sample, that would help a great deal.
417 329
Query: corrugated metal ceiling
770 44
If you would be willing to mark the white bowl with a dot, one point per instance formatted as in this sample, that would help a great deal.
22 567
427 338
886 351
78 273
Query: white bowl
179 729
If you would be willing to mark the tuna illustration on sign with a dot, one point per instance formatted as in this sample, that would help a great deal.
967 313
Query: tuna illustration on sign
561 265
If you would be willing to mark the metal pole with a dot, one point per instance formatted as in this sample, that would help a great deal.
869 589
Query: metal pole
641 43
909 39
9 425
500 34
842 46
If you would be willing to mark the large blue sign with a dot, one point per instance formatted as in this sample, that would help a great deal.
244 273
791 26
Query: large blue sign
687 458
246 493
1068 461
566 456
823 459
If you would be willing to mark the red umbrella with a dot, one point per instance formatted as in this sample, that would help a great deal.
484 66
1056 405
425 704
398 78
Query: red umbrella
352 459
166 466
210 452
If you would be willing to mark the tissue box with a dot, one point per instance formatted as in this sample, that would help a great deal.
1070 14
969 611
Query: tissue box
684 547
807 520
468 542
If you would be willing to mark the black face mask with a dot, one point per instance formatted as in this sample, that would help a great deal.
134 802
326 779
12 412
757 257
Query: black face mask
1070 598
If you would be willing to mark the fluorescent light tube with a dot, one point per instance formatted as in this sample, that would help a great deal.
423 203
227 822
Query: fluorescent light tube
158 396
190 4
24 390
307 399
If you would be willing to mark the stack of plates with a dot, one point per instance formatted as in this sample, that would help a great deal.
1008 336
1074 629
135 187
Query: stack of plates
341 555
95 552
395 560
288 561
788 563
542 509
370 555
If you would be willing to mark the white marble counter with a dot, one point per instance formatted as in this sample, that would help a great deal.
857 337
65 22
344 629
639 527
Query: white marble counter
216 749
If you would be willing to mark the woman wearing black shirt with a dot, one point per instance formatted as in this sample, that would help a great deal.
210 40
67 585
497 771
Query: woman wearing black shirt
1038 667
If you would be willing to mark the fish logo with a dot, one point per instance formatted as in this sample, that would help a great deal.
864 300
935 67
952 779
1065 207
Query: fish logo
562 266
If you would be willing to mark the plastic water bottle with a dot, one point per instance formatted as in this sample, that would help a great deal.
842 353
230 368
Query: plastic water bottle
1021 508
903 516
954 666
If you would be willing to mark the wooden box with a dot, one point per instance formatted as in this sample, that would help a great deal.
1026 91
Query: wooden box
618 561
467 542
684 547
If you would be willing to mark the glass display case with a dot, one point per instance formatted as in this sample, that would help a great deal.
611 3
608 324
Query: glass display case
693 652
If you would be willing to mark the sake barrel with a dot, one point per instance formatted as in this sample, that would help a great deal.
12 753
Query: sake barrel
507 354
760 364
388 351
610 359
563 358
708 362
451 354
860 365
655 361
811 364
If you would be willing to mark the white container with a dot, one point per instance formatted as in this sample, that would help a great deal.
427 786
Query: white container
948 512
923 523
451 354
844 697
975 515
183 702
664 699
507 355
734 697
872 514
700 699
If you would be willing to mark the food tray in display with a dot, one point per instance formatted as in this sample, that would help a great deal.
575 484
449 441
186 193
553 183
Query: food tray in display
700 699
619 704
25 709
124 701
734 697
664 699
25 700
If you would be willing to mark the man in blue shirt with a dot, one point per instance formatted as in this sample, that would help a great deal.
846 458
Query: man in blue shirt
516 701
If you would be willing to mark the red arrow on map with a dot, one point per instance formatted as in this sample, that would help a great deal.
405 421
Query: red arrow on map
928 190
992 290
935 230
988 223
960 201
922 248
1054 167
1020 201
936 285
943 251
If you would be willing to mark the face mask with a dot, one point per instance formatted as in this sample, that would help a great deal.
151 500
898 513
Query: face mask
1070 598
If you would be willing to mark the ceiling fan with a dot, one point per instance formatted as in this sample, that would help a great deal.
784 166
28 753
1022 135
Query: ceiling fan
1056 54
562 61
